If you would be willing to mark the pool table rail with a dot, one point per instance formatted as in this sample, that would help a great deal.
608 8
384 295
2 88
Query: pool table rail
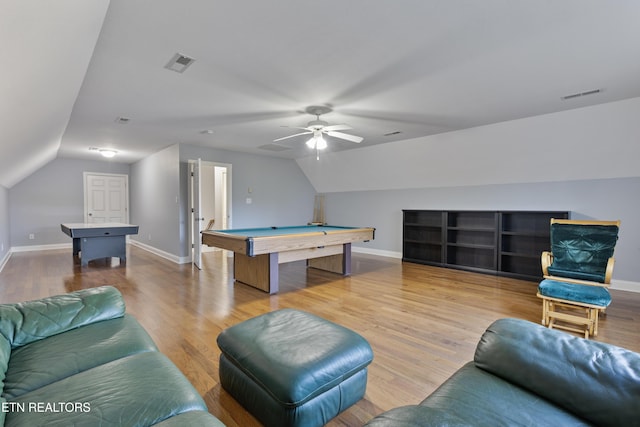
259 251
252 246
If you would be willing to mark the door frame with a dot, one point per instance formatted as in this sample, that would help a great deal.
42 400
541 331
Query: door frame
228 167
85 188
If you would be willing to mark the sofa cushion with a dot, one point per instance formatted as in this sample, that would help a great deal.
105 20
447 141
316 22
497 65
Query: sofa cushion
54 358
473 394
596 381
139 390
5 353
25 322
416 416
191 419
473 397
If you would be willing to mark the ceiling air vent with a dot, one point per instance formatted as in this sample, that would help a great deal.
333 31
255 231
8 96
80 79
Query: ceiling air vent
579 94
179 63
393 133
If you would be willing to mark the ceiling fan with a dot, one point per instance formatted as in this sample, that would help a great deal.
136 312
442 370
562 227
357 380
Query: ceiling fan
319 127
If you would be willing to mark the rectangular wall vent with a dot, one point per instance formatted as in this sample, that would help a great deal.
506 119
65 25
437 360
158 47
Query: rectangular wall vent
179 63
577 95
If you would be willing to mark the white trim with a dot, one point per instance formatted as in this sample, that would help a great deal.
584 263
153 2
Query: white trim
33 248
4 260
379 252
625 285
618 285
161 253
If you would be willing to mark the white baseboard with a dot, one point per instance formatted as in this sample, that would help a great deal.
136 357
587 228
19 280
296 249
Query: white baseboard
625 285
379 252
620 285
4 260
161 253
41 247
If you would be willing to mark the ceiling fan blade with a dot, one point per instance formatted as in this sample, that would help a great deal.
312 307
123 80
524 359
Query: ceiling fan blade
346 136
297 127
337 127
291 136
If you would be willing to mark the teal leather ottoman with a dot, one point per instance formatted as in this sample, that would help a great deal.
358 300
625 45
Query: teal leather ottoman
292 368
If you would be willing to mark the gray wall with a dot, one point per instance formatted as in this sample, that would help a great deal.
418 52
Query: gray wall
5 244
52 195
155 200
280 193
583 160
606 199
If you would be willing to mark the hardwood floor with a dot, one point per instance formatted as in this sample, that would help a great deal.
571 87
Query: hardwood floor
422 322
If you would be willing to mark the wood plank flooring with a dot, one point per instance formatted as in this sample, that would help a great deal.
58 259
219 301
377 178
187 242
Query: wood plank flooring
422 322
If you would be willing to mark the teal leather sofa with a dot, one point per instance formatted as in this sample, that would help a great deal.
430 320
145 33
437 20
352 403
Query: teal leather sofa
524 374
78 359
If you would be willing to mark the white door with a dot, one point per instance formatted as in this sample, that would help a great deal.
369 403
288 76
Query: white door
106 198
198 220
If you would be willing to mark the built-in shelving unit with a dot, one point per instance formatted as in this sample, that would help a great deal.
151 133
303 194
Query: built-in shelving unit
498 242
423 236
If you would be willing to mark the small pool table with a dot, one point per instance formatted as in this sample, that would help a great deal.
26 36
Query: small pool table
99 240
258 251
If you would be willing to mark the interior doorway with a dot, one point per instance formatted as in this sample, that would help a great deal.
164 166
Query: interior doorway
210 202
106 198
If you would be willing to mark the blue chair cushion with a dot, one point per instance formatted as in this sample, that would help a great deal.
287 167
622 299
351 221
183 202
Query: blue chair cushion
595 295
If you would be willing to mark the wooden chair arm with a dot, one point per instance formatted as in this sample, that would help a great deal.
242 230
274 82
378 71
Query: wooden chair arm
546 259
609 271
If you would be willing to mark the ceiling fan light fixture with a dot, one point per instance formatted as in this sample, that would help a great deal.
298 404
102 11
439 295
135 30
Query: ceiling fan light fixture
105 152
317 141
321 144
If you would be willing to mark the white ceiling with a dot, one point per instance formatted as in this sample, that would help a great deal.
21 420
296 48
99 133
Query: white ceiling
418 67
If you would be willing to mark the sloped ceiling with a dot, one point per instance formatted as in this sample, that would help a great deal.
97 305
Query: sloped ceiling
392 70
46 49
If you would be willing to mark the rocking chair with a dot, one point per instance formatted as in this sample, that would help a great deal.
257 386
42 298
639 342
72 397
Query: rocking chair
577 273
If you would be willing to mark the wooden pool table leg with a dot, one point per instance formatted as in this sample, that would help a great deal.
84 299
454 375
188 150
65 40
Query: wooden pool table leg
260 271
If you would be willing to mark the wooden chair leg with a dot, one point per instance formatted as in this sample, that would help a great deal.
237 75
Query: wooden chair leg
547 307
595 314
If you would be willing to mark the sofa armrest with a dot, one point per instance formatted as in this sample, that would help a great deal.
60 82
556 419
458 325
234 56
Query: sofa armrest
25 322
596 381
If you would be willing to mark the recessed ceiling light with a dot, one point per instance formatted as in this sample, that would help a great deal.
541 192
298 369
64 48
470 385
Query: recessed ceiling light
106 152
206 132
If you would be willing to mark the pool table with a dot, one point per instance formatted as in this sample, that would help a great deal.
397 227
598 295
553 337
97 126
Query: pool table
99 240
258 251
